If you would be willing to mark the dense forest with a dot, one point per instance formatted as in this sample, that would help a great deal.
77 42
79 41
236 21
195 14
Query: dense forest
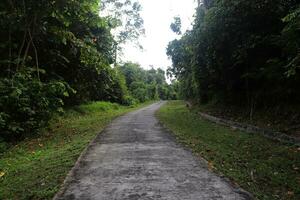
144 85
63 53
240 52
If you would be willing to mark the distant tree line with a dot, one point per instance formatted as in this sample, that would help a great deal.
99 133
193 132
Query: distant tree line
144 85
240 52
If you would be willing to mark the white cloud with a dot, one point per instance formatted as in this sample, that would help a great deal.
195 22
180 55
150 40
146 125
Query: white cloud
158 15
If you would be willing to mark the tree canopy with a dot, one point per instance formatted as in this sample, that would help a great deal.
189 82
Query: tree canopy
240 52
60 53
145 85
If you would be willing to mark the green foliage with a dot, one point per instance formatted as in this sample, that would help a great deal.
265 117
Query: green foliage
96 107
180 52
117 11
53 50
129 100
176 25
27 104
3 146
291 42
240 52
144 85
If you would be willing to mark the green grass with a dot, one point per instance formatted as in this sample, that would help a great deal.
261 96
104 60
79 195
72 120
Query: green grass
36 167
265 168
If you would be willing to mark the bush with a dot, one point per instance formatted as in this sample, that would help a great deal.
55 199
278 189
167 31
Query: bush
94 107
129 101
26 104
3 146
141 94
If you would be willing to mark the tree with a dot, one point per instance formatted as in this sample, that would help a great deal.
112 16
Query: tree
55 53
240 51
125 20
176 25
125 16
146 85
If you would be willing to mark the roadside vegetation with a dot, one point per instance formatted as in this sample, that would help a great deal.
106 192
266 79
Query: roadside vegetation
36 167
285 120
241 62
242 56
267 169
59 54
55 57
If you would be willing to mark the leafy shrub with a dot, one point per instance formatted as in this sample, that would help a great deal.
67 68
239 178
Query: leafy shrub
26 104
93 107
141 94
3 146
129 101
243 53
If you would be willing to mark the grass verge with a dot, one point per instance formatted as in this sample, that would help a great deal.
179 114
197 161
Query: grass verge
267 169
36 167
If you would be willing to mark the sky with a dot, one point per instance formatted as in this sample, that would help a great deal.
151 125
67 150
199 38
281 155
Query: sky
158 15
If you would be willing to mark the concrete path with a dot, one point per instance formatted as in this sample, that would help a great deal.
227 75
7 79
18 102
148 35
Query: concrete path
135 158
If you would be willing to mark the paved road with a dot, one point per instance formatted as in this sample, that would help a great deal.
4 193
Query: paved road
135 158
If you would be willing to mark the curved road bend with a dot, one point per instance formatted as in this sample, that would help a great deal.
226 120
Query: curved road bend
135 158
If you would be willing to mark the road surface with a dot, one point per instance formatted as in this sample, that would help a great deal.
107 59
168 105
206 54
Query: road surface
135 158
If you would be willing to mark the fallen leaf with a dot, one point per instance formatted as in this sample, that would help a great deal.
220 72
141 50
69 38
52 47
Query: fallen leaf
2 174
210 165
